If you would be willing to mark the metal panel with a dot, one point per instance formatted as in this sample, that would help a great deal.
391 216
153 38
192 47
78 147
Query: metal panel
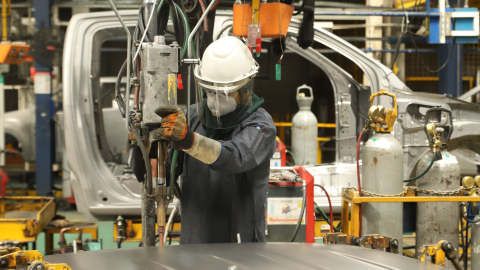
242 256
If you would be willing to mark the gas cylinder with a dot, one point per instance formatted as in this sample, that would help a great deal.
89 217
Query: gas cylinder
438 221
304 129
382 173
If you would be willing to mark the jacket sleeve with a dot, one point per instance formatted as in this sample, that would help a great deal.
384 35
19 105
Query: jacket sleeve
252 146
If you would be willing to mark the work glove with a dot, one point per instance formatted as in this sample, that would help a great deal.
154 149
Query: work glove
174 127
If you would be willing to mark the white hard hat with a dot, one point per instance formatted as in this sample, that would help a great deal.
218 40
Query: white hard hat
224 85
227 65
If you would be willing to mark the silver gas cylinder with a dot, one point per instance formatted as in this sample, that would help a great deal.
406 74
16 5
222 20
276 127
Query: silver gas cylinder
382 173
438 221
305 130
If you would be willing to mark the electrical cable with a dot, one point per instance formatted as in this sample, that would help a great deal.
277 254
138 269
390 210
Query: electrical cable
423 173
416 48
325 217
421 60
464 228
187 32
300 10
397 49
462 237
141 24
118 96
399 41
172 176
358 181
304 204
464 216
465 251
329 204
193 8
215 5
223 30
170 221
149 183
205 23
468 244
147 26
186 28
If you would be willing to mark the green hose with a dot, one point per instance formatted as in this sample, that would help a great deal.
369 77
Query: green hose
172 176
293 157
186 28
174 189
422 174
325 217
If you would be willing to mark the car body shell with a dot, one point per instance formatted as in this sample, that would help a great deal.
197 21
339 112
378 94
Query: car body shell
104 189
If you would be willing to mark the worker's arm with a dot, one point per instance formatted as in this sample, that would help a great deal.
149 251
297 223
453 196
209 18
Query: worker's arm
174 127
254 145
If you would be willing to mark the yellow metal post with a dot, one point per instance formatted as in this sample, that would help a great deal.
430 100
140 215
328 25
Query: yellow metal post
345 215
255 11
4 20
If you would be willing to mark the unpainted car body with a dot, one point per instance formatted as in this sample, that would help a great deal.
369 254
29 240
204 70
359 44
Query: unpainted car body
104 189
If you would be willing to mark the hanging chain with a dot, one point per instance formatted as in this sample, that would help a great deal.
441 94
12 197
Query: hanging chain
405 191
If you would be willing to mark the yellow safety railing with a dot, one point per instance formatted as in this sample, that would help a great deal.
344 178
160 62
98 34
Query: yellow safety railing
350 199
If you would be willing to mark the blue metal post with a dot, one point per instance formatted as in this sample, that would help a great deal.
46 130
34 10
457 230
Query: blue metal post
44 128
450 78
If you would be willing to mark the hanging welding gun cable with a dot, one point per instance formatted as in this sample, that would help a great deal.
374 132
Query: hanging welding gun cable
143 149
304 204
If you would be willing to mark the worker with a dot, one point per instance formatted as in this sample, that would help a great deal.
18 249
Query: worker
228 146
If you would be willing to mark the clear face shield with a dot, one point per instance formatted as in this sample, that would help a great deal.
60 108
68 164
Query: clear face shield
217 108
219 104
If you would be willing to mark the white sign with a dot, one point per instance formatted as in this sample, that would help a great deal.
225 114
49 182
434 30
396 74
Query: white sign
283 211
275 162
43 83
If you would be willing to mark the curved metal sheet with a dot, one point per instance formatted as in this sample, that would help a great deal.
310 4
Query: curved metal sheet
241 256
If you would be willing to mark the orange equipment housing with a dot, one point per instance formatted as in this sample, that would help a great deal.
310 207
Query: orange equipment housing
13 53
274 19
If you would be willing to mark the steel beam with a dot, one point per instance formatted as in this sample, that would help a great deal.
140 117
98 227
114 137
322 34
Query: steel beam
450 78
44 110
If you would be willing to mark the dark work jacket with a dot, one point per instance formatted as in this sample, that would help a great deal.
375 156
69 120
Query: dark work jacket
228 197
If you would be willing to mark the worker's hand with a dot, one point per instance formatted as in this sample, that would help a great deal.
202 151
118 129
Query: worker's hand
174 127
